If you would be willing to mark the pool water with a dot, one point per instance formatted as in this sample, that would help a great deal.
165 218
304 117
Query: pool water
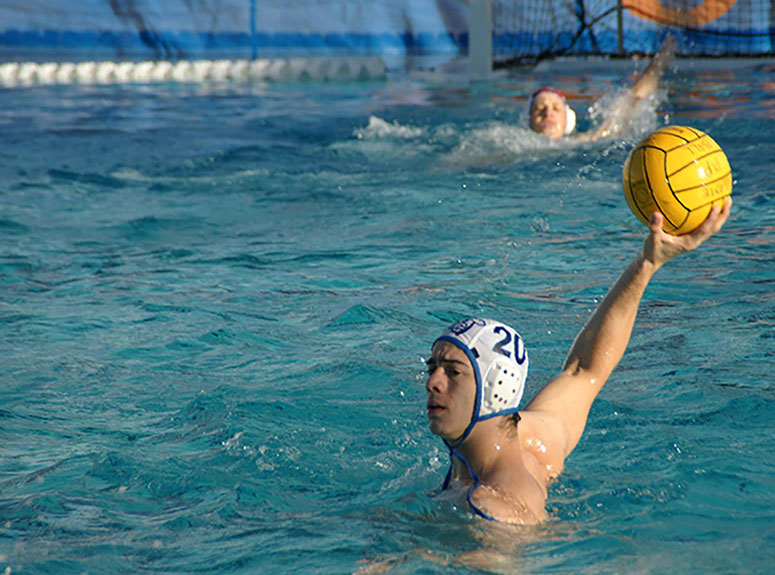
216 302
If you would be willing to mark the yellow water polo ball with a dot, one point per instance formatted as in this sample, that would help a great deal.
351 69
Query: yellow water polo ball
679 171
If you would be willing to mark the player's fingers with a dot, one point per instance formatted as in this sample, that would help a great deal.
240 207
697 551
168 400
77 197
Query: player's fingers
655 223
712 224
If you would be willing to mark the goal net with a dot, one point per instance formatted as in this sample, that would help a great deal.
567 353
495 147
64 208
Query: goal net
530 30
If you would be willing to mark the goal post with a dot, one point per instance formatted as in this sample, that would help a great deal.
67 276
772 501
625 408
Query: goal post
480 38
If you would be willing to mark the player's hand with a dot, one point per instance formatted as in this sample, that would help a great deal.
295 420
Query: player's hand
660 247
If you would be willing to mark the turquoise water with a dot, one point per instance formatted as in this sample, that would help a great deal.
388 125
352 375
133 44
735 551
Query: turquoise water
216 302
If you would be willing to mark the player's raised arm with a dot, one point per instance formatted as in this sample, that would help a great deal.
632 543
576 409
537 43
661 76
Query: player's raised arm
648 82
600 344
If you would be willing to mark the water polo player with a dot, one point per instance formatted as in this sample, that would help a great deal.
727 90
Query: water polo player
550 114
503 459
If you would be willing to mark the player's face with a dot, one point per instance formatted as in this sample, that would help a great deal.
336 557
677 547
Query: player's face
451 390
548 115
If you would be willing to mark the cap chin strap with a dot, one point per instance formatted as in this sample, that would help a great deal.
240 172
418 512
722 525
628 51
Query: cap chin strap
453 452
453 447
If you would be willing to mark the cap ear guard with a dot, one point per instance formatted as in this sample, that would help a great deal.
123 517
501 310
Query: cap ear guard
570 120
502 387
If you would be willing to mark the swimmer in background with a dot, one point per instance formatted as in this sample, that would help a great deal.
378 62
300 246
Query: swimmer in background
551 115
503 459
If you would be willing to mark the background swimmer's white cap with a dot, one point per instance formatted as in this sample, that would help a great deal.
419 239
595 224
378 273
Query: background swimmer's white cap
570 120
570 115
500 363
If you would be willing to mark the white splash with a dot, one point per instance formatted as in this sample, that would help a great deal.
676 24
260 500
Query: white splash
379 128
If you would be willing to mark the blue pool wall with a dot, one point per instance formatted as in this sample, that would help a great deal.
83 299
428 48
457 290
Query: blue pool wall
175 29
181 29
